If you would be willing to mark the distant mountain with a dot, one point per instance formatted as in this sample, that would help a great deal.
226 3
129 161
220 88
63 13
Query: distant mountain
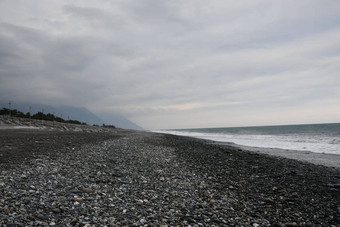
74 113
119 121
81 114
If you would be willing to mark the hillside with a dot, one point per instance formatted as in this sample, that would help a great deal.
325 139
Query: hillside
75 113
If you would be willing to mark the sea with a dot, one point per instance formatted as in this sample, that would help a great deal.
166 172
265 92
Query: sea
318 138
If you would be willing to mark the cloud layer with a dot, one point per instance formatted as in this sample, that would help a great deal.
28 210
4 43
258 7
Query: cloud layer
176 64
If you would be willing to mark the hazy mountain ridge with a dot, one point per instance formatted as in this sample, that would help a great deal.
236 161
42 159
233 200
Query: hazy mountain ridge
75 113
119 121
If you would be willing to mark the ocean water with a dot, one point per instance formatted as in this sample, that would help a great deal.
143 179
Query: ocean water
319 138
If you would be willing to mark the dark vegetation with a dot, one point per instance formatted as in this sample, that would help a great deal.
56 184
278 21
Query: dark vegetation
38 115
108 126
41 116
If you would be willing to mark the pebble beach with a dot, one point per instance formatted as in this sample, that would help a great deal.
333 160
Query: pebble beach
64 175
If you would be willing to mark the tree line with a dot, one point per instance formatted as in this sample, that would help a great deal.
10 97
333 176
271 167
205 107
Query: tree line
42 116
38 115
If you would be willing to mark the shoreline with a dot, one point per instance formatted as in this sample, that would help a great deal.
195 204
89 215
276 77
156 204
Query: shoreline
137 178
324 159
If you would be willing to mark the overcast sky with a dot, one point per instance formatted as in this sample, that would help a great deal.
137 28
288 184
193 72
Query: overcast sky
176 63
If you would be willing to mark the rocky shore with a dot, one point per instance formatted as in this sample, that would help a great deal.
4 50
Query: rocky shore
132 178
26 123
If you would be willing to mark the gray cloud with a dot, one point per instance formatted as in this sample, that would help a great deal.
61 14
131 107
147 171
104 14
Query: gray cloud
175 64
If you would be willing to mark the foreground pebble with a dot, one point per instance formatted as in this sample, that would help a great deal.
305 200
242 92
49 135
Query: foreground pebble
145 179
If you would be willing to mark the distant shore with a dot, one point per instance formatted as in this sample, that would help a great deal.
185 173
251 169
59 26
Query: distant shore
26 123
133 178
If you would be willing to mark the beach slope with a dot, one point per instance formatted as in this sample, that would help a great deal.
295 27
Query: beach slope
134 178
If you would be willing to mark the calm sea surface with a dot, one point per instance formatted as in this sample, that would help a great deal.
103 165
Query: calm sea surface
320 138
